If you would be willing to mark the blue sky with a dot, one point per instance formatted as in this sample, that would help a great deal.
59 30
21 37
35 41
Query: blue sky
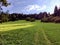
31 6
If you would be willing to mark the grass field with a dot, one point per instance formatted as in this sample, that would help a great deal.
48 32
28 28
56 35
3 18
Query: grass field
29 33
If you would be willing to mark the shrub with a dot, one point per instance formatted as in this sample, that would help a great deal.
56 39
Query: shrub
44 19
50 19
28 19
57 19
0 21
32 19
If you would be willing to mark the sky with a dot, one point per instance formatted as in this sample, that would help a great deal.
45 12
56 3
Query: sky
31 6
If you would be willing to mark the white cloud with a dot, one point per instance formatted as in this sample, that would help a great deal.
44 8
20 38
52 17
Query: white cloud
52 5
35 7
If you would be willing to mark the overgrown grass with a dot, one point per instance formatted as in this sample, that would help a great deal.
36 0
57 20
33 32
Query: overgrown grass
29 33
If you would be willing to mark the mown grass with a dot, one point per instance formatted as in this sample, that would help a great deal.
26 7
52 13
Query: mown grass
13 34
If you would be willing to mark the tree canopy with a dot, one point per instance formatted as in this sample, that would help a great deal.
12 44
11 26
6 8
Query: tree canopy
4 2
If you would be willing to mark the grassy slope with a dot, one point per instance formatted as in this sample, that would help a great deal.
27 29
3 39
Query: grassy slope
37 34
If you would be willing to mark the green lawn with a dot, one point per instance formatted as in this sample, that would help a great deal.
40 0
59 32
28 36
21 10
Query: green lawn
29 33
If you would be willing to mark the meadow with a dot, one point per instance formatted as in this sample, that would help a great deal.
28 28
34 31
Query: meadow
23 32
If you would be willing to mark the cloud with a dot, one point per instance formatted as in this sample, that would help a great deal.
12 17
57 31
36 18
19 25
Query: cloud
51 6
35 7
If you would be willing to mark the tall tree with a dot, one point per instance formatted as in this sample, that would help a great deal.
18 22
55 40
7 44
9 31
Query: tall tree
3 16
55 11
59 12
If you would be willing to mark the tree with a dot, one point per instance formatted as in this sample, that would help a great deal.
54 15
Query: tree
59 12
55 11
0 14
3 2
3 16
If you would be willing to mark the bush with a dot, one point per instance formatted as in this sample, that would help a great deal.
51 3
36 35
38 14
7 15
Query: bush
50 19
0 21
57 19
44 19
28 19
32 19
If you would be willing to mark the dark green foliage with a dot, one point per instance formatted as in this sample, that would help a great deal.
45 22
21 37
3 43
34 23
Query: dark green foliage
32 19
55 11
0 21
13 17
44 20
4 2
4 17
28 19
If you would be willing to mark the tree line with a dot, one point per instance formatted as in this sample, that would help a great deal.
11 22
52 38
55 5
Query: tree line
43 16
55 17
